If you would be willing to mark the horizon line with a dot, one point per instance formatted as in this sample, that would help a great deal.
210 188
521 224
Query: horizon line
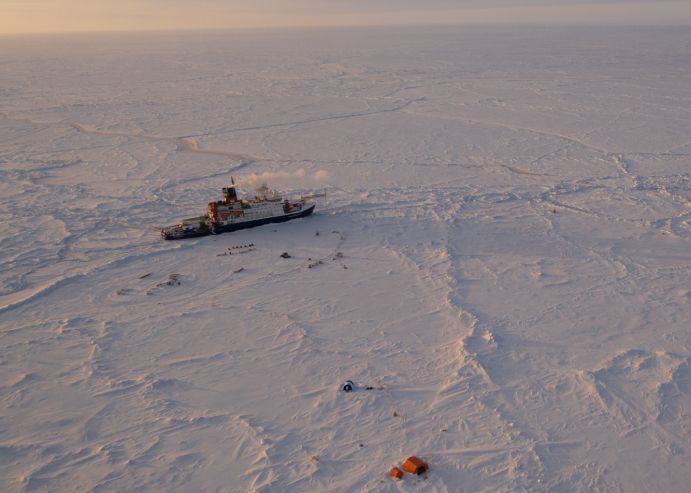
352 26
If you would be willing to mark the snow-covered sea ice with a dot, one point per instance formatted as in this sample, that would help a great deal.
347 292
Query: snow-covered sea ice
504 256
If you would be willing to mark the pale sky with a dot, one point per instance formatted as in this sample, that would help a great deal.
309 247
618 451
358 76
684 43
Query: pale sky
21 16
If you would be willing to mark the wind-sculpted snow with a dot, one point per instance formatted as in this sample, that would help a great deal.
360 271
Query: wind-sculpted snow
501 265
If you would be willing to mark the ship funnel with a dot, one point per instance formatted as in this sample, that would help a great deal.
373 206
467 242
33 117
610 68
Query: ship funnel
229 193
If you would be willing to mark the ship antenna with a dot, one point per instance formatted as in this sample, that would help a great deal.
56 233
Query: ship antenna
232 182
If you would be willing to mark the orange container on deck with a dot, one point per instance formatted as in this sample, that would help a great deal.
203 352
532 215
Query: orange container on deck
396 473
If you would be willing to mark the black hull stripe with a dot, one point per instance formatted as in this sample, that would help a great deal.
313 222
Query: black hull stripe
247 224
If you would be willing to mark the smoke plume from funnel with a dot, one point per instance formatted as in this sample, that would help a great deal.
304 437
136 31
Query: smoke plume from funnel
298 178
